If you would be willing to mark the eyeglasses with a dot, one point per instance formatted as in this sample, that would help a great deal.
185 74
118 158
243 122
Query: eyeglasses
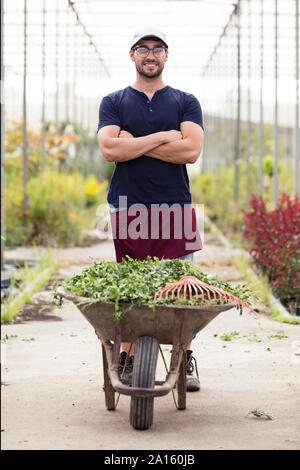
143 51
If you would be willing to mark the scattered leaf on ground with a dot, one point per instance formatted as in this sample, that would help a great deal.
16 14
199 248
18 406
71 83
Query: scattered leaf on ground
230 336
279 335
261 414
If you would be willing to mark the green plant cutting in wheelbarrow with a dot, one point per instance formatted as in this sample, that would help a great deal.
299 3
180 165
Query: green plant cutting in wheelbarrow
153 282
148 303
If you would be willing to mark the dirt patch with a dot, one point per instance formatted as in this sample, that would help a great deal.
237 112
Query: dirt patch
39 309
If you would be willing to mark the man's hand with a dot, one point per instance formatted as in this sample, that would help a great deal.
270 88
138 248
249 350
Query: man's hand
125 135
185 149
173 135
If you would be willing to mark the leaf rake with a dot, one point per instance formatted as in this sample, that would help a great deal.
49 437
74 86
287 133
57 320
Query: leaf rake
195 288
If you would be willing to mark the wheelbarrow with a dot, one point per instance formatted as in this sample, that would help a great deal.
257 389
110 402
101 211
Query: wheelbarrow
147 328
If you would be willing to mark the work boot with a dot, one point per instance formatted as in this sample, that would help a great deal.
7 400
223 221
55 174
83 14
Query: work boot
192 382
125 368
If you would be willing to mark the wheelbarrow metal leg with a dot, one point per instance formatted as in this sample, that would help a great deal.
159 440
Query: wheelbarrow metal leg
181 384
108 388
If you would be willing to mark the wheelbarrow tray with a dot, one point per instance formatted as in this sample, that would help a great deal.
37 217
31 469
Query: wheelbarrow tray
167 324
142 320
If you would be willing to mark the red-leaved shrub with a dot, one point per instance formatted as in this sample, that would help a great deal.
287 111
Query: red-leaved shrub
274 238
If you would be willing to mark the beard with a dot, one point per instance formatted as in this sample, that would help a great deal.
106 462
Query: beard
150 74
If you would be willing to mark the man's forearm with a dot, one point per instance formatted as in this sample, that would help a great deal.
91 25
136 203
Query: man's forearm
180 151
121 150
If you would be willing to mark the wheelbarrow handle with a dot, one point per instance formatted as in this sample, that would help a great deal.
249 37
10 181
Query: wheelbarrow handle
74 298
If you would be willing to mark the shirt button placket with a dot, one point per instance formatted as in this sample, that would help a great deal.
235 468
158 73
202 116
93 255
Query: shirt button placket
150 109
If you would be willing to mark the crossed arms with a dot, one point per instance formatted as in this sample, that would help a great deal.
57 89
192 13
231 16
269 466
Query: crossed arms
173 146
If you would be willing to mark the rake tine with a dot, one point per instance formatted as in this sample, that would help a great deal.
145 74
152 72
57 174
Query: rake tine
227 295
207 290
230 296
178 294
239 301
220 295
236 299
224 293
164 289
167 291
190 290
201 290
173 291
185 286
199 287
212 291
196 292
161 293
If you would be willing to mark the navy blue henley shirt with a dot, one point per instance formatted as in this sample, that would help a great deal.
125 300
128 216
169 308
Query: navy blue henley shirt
145 179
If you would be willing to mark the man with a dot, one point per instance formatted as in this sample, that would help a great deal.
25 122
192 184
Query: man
151 131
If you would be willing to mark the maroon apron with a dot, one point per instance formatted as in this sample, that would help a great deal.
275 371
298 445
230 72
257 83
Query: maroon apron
169 232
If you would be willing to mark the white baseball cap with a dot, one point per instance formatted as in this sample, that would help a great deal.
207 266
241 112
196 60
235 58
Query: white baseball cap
150 31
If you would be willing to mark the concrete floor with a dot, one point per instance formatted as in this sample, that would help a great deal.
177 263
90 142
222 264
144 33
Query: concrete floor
52 395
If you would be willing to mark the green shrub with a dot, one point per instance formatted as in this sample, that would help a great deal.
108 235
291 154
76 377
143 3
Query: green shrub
93 190
30 280
216 192
56 214
274 245
268 166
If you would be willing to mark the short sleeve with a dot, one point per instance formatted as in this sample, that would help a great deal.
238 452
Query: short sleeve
192 110
108 114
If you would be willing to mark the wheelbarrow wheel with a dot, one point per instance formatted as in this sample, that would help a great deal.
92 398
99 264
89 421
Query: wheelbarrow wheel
144 368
